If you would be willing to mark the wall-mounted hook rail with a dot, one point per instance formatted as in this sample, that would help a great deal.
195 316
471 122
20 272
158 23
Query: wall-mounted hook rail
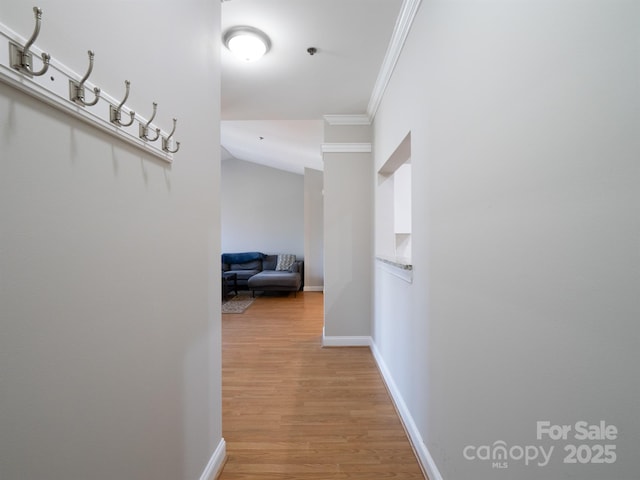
60 89
115 113
166 142
144 129
22 58
76 89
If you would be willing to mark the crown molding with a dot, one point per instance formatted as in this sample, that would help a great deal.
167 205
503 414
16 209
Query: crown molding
346 148
407 14
361 119
400 32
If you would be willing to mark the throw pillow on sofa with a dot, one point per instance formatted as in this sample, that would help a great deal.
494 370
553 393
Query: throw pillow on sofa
285 261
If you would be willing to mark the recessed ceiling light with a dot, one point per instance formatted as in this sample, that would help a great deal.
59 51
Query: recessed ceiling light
247 43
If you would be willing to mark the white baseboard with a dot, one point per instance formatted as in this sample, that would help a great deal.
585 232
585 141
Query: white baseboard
424 457
313 289
345 341
216 462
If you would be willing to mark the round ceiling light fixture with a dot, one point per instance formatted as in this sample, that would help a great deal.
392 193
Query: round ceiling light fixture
247 43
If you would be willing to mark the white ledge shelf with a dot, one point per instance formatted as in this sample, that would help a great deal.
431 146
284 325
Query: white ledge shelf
400 267
398 262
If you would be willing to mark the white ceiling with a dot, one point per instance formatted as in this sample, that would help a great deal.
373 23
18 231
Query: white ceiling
283 96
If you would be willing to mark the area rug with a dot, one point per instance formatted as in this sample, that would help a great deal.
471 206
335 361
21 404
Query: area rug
238 303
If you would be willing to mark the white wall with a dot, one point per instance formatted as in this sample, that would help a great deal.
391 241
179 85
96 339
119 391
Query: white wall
524 119
313 230
262 209
348 242
109 292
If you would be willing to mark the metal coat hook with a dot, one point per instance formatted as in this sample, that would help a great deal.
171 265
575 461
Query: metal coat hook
116 112
166 141
22 58
76 89
144 129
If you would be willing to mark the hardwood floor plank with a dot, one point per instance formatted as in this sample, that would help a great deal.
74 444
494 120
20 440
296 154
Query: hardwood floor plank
294 410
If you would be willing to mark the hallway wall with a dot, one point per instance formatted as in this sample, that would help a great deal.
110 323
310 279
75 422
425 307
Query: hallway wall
109 258
524 120
347 242
313 230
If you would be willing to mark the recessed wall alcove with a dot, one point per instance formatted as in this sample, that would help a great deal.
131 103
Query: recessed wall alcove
394 213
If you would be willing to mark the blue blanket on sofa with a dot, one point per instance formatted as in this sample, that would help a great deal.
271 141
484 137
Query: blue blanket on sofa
242 257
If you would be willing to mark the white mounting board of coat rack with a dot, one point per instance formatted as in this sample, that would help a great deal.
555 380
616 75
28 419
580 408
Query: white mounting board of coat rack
53 89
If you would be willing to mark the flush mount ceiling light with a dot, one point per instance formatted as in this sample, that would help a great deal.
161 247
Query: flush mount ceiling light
246 43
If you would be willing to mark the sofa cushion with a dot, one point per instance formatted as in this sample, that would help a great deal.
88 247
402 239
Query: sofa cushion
296 267
275 279
285 261
269 262
253 265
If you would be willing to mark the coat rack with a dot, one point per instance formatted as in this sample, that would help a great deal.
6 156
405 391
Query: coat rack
66 90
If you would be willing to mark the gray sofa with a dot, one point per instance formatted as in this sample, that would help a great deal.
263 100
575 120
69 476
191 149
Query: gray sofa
257 271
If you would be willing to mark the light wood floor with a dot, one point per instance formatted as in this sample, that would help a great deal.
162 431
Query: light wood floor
294 410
